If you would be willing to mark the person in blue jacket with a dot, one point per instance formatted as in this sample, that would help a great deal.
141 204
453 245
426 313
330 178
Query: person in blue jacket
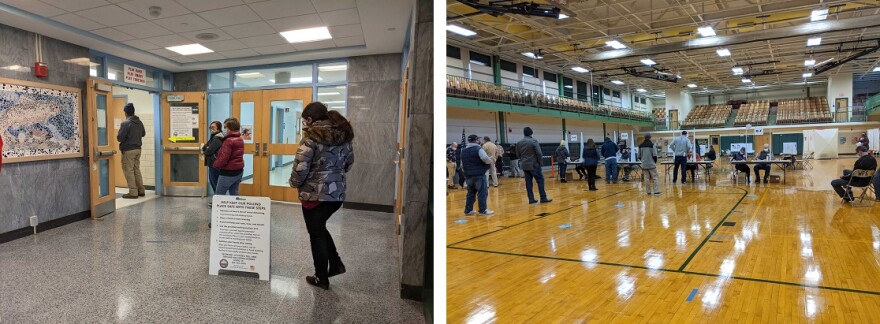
609 151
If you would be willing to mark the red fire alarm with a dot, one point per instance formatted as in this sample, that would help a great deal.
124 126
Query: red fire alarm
41 70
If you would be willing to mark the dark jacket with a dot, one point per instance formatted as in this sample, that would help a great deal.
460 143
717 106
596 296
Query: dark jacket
609 149
475 161
211 148
866 162
529 152
591 157
450 154
130 133
230 159
711 155
511 153
560 155
324 156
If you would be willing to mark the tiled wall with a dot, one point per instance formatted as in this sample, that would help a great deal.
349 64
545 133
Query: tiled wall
48 189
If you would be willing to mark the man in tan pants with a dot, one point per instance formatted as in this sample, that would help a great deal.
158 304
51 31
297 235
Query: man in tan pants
130 133
450 165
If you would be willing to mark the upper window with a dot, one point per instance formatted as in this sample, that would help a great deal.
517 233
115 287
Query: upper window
273 76
508 66
549 76
530 72
332 72
453 52
481 59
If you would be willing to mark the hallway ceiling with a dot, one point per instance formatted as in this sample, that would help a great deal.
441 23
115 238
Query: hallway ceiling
246 32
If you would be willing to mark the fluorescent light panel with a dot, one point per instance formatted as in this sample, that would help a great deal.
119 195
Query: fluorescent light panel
618 82
746 80
723 52
307 35
616 44
809 62
648 61
819 14
814 41
807 75
691 85
191 49
876 69
562 16
706 31
460 30
641 90
737 71
532 55
580 69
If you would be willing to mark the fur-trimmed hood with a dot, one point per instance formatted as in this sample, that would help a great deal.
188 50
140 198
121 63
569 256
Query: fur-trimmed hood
323 132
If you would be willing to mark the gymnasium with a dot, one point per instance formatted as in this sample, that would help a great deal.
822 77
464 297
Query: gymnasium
799 77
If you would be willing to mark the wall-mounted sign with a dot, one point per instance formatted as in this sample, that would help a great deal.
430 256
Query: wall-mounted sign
624 136
759 131
175 98
134 75
574 138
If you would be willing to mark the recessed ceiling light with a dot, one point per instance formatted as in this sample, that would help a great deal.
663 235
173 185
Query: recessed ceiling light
191 49
691 85
814 41
641 90
746 80
329 68
616 44
648 61
460 30
807 75
618 82
819 14
706 31
580 69
307 35
809 62
723 52
562 16
737 70
532 55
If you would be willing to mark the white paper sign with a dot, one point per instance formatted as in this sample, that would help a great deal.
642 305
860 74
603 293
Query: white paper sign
181 121
574 138
789 148
624 136
759 131
240 235
134 75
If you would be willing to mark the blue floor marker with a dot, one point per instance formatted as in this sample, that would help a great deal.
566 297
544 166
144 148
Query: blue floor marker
751 195
565 226
618 205
693 293
461 221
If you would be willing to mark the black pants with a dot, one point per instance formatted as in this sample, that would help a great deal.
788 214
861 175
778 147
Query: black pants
744 168
323 249
591 175
680 161
758 168
581 170
693 169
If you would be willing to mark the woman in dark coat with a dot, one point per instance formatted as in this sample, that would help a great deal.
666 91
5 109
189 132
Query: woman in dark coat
591 162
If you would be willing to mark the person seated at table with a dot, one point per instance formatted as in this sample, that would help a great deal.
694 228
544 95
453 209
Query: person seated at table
764 155
692 167
741 156
865 162
710 156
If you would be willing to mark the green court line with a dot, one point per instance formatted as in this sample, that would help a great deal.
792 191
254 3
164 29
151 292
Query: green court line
534 219
691 257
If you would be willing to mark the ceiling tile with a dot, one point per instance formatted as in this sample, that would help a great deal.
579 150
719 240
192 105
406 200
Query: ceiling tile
346 31
249 29
220 35
144 29
273 39
111 15
291 23
340 17
77 22
226 45
142 8
182 59
275 49
350 41
113 34
140 44
185 23
168 40
208 57
202 5
36 7
283 8
230 16
314 45
323 6
77 5
247 52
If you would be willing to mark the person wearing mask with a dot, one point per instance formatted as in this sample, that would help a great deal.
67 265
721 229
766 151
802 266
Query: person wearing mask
476 162
130 135
450 165
680 147
865 162
591 162
492 151
209 150
764 155
324 156
648 153
741 156
609 151
560 155
230 159
499 158
515 170
711 156
530 155
863 140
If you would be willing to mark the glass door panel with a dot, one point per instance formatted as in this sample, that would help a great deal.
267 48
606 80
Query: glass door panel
243 108
282 126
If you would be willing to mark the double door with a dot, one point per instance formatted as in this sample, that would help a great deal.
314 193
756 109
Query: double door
271 127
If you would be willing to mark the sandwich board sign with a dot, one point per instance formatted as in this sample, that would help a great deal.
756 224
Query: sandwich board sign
240 235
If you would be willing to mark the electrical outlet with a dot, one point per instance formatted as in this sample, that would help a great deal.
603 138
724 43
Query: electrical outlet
34 221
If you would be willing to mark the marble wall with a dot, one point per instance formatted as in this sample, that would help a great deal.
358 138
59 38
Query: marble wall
373 109
48 189
419 129
191 81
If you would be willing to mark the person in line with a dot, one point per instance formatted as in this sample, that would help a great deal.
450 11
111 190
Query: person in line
648 153
865 162
609 151
680 146
863 140
515 170
764 155
741 156
324 156
710 156
492 151
476 162
209 150
130 135
560 156
450 165
499 158
230 159
530 155
591 162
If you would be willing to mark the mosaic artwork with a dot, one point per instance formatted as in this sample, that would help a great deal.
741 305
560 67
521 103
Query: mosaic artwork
38 123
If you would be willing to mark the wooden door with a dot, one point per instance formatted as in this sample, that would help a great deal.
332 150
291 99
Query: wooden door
102 151
673 119
183 132
840 106
399 160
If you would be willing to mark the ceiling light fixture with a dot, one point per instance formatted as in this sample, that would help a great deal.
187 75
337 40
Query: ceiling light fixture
808 74
580 69
648 61
746 80
814 41
876 69
641 90
191 49
460 30
737 70
562 16
706 31
810 62
617 82
615 43
819 14
307 35
723 52
532 55
691 85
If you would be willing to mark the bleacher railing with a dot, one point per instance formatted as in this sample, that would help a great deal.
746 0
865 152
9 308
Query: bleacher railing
461 87
825 117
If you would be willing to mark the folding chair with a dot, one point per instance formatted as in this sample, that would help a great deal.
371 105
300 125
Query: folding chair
864 174
807 161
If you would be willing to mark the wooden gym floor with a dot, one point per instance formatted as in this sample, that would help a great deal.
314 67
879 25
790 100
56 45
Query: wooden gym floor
697 253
